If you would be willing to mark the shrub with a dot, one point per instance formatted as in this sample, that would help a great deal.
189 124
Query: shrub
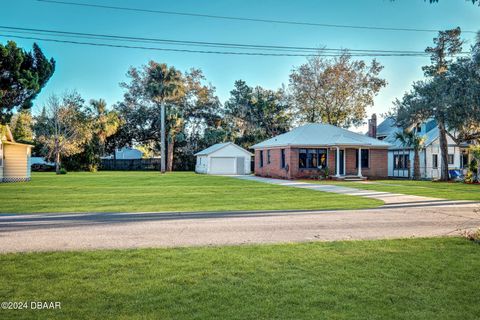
473 235
62 171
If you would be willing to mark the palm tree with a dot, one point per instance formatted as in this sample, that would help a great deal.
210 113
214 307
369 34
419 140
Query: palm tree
166 85
410 139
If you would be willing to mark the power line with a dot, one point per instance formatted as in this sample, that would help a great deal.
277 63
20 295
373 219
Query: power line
223 45
210 16
204 51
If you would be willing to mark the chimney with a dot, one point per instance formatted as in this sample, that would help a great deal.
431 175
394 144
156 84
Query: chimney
372 126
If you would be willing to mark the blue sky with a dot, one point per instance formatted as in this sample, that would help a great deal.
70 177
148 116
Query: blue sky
96 71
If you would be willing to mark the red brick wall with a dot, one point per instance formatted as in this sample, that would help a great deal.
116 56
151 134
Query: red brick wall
272 169
378 166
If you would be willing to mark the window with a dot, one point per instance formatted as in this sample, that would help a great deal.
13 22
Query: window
1 154
435 160
282 158
451 159
312 158
302 158
400 161
365 158
268 156
261 159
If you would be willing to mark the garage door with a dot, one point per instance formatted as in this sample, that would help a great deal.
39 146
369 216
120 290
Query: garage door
222 165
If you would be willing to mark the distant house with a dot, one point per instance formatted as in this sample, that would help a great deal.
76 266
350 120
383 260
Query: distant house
223 158
14 158
126 153
308 149
400 158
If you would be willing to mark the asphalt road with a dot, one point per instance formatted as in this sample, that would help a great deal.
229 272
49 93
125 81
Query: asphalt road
47 232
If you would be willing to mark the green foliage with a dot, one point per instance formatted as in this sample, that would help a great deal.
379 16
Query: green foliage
28 73
22 126
440 97
62 171
256 114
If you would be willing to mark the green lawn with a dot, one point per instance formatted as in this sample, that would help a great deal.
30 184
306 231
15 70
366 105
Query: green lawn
150 191
444 190
389 279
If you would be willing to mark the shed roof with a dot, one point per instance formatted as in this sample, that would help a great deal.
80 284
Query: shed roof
217 147
320 134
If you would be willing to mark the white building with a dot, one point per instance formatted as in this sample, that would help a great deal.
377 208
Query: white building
400 158
224 158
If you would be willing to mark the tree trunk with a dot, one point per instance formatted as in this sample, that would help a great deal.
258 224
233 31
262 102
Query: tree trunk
170 154
444 151
416 165
57 162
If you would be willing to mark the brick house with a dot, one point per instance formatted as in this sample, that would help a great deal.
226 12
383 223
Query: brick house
307 150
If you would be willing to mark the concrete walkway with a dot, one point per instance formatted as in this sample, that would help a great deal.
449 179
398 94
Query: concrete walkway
390 199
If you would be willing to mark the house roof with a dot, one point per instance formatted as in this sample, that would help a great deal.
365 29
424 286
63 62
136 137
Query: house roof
386 126
217 147
320 134
389 129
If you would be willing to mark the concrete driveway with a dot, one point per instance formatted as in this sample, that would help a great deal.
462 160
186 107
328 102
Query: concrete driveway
45 232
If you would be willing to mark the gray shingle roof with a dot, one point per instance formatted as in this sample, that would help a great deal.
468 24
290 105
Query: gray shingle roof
319 134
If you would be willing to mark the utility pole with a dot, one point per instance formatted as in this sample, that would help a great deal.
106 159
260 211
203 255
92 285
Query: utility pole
162 129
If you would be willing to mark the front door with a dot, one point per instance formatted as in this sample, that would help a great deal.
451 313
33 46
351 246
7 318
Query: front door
342 162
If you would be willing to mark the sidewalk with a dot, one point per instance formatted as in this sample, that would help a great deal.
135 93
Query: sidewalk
390 199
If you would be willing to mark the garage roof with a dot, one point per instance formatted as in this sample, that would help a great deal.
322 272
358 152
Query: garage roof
321 134
217 147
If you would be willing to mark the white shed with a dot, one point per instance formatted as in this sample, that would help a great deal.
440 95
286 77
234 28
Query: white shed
224 158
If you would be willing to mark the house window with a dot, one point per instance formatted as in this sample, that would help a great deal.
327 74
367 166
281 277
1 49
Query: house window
365 158
400 161
302 158
261 159
1 154
451 159
282 158
435 161
312 158
268 156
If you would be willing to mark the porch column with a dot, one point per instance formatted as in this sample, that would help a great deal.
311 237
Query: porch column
337 159
359 162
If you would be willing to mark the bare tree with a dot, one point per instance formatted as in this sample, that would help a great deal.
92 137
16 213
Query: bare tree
335 91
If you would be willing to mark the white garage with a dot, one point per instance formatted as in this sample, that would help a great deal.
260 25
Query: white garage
224 159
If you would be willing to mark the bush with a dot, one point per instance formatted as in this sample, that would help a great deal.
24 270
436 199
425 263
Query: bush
62 171
473 235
